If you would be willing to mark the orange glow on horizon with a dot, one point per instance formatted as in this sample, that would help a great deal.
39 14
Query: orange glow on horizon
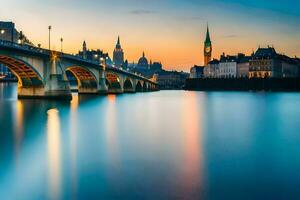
173 38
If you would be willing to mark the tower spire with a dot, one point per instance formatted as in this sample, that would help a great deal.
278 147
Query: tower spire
207 48
118 46
207 34
84 49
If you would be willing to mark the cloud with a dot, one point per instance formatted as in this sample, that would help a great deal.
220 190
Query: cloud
230 36
142 12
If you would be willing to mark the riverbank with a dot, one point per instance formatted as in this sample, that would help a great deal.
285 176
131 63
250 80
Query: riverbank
243 84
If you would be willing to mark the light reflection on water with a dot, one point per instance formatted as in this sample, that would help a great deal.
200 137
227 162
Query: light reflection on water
191 174
54 153
18 129
163 145
112 133
73 144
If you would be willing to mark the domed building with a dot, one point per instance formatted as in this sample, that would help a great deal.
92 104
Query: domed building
143 63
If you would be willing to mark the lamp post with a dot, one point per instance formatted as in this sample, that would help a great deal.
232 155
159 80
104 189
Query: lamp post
49 27
21 37
103 62
61 44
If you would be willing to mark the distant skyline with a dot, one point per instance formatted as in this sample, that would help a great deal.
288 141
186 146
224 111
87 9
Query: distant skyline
170 31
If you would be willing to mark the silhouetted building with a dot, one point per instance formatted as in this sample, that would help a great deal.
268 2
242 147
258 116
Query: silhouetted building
94 55
8 32
141 67
118 55
143 63
84 50
155 66
170 79
196 72
290 67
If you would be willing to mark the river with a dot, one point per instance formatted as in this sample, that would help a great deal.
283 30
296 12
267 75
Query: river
159 145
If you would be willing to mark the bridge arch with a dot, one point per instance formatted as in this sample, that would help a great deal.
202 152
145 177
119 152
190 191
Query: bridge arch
139 87
86 80
128 85
145 87
27 75
113 83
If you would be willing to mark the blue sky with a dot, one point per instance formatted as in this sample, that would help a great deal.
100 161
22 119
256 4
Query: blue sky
171 31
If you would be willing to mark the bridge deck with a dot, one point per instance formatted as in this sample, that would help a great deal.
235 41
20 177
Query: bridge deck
35 51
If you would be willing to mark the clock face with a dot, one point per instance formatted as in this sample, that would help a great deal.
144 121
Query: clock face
207 49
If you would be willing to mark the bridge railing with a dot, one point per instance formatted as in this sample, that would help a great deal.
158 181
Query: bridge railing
30 48
25 47
78 58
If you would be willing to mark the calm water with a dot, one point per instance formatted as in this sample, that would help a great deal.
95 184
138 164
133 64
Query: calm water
163 145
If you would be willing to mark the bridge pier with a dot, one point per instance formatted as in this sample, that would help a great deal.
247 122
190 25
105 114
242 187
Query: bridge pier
26 92
55 89
103 89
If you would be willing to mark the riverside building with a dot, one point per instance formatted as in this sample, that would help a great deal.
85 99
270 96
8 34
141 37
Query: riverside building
267 63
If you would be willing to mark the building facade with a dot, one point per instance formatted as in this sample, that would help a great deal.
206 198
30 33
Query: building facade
243 66
118 55
267 63
8 32
212 69
227 67
155 66
95 55
143 63
196 72
171 79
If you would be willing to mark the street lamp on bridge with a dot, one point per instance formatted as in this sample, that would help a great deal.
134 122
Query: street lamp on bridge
103 62
49 27
61 44
21 38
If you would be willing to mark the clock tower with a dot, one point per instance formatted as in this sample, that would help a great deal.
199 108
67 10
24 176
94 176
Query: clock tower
207 48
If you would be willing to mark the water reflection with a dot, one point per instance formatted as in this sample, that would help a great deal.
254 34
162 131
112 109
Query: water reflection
54 153
18 126
73 126
164 145
191 171
111 132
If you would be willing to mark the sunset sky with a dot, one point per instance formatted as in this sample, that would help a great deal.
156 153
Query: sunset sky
170 31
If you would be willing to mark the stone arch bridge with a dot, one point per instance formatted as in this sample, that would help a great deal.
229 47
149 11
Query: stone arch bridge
42 74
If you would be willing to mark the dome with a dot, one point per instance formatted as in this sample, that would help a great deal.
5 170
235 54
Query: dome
143 62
